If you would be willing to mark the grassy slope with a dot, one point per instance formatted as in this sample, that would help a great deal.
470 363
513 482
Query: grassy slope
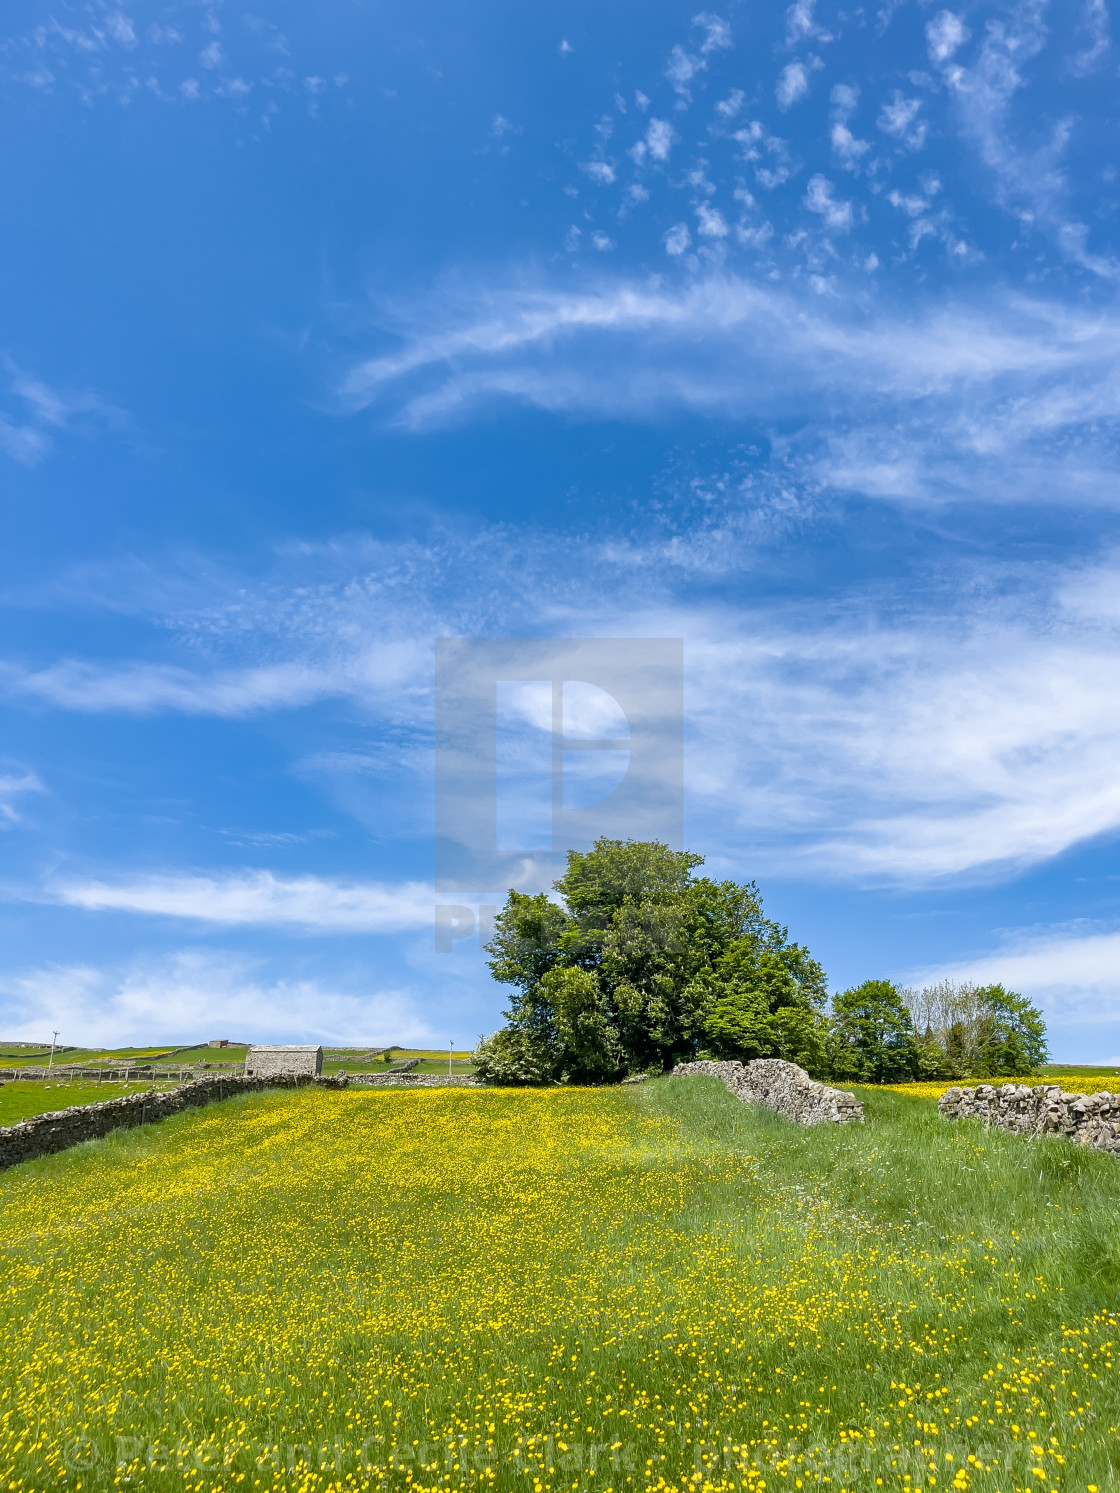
27 1097
425 1065
431 1061
723 1299
13 1059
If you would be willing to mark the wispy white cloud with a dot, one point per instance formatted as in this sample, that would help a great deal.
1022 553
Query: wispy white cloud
792 84
729 107
15 784
885 739
899 117
710 222
1030 181
877 740
910 751
142 689
192 995
946 33
993 96
369 671
936 395
677 239
23 443
107 55
847 147
600 172
659 139
758 145
27 437
1096 42
800 25
819 199
308 904
717 32
683 66
1073 972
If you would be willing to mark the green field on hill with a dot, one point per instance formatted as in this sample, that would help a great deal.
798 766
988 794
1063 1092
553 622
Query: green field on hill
353 1059
13 1058
424 1065
651 1287
28 1097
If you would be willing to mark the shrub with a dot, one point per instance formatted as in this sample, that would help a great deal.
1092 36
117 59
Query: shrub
512 1056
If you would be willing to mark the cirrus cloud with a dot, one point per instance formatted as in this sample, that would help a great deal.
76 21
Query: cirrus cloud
258 898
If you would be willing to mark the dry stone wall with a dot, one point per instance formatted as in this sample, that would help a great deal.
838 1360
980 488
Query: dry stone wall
45 1134
782 1087
1026 1109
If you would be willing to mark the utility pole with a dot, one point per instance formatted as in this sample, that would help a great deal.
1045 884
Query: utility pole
50 1060
450 1054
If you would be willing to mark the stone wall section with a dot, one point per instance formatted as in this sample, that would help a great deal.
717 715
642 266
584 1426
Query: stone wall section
783 1087
43 1135
1027 1109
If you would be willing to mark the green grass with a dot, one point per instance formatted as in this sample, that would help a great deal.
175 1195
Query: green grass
25 1097
470 1288
431 1060
14 1059
425 1065
234 1053
1078 1070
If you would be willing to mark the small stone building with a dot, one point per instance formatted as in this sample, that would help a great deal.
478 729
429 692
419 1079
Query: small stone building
268 1062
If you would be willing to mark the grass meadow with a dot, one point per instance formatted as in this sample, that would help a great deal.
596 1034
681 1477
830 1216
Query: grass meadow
28 1097
653 1287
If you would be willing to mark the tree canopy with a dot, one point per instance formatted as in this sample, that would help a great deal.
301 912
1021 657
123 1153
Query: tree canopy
641 962
975 1031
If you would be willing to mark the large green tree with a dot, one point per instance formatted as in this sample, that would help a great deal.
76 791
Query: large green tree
872 1038
1012 1038
642 962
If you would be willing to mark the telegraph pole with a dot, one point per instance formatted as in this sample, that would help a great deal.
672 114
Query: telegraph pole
450 1055
50 1060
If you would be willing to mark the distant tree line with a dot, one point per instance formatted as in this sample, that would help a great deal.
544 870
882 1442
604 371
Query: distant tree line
642 963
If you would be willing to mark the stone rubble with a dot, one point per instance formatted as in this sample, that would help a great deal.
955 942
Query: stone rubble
1028 1109
782 1087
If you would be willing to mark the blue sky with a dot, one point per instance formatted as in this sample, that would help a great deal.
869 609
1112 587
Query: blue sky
327 331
